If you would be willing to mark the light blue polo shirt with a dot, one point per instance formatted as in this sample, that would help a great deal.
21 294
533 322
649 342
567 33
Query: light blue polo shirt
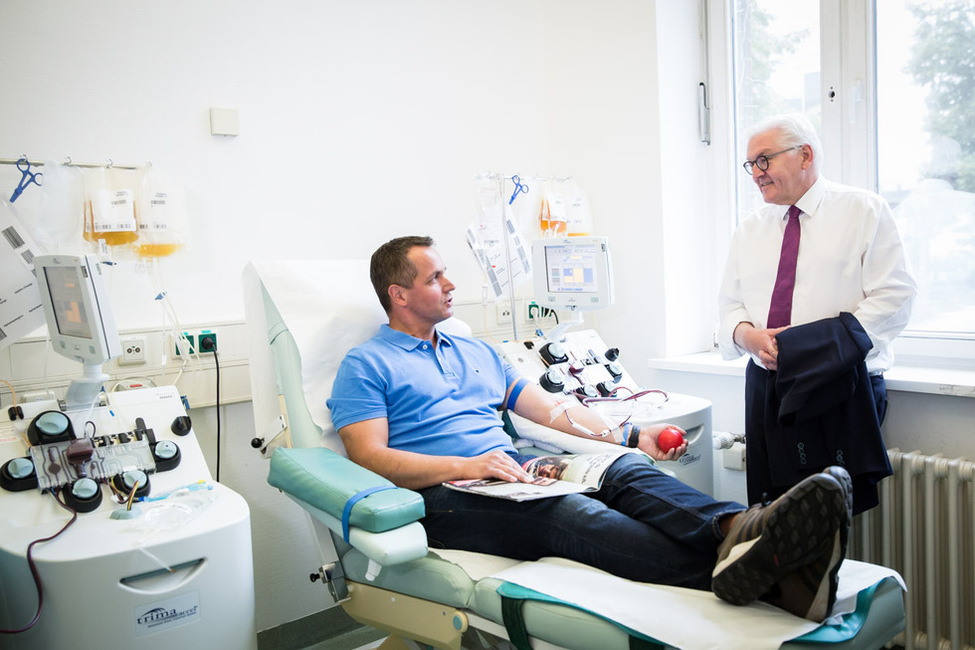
439 400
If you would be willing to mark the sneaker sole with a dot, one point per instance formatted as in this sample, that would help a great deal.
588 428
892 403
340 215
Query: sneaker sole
800 528
839 555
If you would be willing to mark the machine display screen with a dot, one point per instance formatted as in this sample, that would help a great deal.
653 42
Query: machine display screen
571 268
67 298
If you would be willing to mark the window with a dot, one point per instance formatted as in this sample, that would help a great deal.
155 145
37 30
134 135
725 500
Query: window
891 87
926 152
777 70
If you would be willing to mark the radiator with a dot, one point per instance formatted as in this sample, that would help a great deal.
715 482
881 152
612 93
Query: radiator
924 528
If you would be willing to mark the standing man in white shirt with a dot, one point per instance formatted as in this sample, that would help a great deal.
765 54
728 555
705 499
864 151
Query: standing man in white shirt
849 258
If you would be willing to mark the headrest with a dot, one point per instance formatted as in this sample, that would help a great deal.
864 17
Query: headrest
329 306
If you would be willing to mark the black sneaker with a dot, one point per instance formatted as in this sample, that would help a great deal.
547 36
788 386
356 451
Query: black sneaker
810 590
768 542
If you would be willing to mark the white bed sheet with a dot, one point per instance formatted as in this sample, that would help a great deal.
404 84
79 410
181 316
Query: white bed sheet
683 618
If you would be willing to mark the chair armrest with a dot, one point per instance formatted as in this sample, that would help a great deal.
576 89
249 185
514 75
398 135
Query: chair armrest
403 544
326 481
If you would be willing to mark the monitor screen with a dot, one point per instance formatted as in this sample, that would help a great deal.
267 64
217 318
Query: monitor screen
76 307
573 272
65 287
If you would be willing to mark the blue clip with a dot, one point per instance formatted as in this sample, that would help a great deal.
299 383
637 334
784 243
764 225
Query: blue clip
26 178
519 188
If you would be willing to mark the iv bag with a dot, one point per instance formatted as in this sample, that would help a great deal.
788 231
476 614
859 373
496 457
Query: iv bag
578 216
59 226
110 206
551 218
160 215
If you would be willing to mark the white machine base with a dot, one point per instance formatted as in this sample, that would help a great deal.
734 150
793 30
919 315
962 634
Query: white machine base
180 575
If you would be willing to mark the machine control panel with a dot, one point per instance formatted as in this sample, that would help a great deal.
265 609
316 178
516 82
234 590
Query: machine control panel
580 367
84 452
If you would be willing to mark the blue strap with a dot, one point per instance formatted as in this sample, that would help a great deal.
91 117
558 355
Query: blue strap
354 499
516 391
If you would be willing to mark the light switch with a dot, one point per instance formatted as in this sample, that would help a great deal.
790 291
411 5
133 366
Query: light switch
224 121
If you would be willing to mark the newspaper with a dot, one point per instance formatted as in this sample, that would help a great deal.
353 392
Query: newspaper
554 476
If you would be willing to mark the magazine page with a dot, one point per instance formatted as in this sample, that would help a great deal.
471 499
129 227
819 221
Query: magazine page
555 476
585 469
541 488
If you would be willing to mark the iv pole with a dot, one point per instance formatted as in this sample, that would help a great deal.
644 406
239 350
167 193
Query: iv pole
507 261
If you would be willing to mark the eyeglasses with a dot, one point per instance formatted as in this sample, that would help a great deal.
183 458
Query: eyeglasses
762 161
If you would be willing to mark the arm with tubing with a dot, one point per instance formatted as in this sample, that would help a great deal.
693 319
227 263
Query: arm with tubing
537 405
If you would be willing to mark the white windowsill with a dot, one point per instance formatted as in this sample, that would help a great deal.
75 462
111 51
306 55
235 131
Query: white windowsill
956 382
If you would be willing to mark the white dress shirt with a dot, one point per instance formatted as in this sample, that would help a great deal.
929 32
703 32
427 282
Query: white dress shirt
850 259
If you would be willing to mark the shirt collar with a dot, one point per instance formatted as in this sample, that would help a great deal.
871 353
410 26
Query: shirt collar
406 341
810 201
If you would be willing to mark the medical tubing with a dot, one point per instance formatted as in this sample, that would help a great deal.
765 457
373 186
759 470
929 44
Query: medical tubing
33 566
563 407
613 398
13 393
169 312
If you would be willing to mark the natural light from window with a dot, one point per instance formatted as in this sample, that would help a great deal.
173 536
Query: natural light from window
926 152
777 70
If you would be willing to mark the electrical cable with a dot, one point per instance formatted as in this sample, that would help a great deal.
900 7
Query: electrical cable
33 566
207 345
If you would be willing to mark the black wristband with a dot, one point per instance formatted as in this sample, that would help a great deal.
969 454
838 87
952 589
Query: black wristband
631 433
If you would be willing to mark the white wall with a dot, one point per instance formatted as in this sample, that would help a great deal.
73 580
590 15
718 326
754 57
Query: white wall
359 121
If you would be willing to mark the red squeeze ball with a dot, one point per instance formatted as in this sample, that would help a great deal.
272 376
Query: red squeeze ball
670 438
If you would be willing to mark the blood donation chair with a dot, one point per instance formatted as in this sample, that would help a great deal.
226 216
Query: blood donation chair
302 318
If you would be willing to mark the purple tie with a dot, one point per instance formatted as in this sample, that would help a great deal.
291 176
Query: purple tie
780 309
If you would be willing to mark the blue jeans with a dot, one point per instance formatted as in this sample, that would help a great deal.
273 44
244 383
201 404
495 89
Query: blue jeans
642 524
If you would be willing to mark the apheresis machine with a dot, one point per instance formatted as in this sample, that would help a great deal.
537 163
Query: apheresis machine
375 559
112 531
573 275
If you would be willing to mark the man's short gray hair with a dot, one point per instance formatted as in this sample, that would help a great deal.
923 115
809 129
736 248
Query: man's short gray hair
795 129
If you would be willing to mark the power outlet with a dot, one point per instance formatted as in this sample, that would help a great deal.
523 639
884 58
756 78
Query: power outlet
537 311
503 314
207 341
196 343
186 344
133 351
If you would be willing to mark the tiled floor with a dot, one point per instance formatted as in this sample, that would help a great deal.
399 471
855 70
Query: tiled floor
330 629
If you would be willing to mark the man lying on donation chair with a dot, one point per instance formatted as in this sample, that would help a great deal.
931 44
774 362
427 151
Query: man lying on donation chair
420 407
